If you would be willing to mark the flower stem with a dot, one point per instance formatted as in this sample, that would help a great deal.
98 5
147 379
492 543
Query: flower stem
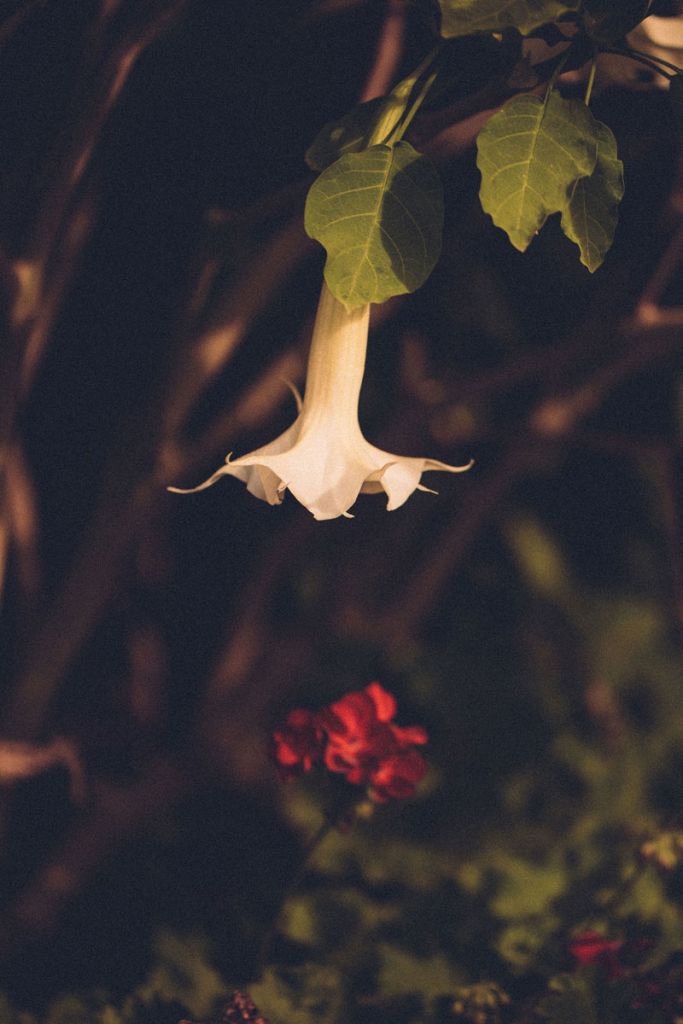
591 81
379 135
555 75
309 849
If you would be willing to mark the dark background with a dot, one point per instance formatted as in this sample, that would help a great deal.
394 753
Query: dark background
200 164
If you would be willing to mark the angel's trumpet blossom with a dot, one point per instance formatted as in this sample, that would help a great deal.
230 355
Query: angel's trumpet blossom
323 458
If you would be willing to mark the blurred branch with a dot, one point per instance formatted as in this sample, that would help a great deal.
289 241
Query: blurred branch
23 523
388 51
24 10
663 273
245 301
63 223
54 251
395 627
116 811
128 500
670 491
23 760
554 419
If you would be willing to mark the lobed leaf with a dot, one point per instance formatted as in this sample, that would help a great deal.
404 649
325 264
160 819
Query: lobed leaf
530 155
591 216
379 215
465 17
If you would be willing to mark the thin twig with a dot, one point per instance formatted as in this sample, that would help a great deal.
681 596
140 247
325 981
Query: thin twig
387 52
22 506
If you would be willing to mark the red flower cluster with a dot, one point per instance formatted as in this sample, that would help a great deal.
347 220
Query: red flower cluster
592 948
356 737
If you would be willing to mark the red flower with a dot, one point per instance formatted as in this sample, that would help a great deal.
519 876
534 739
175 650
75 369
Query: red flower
397 776
356 737
297 745
592 948
366 747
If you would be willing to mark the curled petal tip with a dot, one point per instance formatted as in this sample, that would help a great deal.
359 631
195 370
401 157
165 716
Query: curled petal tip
200 487
295 391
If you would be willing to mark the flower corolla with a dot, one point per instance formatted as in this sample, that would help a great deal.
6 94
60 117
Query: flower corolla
323 458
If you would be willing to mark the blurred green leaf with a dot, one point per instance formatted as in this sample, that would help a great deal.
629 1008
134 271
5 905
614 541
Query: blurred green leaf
402 973
571 1001
520 943
183 974
464 17
302 995
540 558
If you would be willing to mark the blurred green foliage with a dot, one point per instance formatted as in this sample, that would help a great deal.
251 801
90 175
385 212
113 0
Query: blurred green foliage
399 916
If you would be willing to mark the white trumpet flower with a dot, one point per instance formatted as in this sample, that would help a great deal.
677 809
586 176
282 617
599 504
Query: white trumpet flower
323 458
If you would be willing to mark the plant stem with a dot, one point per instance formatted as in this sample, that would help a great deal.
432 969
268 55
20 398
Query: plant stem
591 81
628 52
401 128
311 846
556 74
649 60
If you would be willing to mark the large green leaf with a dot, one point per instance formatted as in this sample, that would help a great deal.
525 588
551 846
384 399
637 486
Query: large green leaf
379 215
465 17
591 215
530 155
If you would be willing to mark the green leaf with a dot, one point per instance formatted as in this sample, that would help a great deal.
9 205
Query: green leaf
570 1001
591 216
607 21
183 974
465 17
299 995
403 973
379 215
530 155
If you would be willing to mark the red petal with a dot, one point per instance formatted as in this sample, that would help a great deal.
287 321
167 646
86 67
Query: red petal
385 702
407 734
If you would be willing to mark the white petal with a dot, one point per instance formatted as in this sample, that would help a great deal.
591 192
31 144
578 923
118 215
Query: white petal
201 487
399 479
